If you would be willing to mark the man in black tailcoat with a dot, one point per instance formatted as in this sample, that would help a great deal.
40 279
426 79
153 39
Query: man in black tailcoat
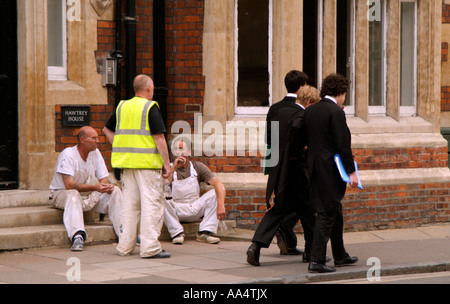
288 179
328 134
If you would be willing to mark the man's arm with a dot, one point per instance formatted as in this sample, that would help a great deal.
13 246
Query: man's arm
220 193
103 187
109 134
161 144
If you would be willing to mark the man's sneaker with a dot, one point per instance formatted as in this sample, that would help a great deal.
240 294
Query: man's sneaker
138 240
207 237
178 239
78 243
161 255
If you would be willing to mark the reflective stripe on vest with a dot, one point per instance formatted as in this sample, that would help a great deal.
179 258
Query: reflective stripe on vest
133 145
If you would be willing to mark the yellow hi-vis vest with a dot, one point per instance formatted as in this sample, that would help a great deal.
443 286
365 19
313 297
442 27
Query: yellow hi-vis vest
133 146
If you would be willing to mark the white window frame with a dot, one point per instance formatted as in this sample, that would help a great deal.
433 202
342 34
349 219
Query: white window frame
60 72
350 109
412 110
252 111
320 34
381 110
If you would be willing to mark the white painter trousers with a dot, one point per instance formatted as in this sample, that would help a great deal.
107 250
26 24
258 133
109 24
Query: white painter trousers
75 203
205 206
143 203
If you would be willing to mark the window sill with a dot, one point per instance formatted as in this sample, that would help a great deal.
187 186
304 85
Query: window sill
376 125
64 85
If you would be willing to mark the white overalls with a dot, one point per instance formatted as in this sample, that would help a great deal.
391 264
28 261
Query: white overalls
187 205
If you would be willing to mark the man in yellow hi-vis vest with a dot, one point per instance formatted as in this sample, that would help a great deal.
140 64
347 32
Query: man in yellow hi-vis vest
139 147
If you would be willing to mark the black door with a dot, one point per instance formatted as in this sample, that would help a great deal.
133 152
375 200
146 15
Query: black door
8 95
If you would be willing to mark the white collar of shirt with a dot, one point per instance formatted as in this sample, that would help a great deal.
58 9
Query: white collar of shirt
331 98
295 96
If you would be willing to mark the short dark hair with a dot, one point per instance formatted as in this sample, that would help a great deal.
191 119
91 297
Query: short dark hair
294 80
334 85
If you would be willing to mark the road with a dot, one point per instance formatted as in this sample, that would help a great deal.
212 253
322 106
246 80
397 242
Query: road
418 278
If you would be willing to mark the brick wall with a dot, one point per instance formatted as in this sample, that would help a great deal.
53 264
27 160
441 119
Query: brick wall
368 159
377 207
184 45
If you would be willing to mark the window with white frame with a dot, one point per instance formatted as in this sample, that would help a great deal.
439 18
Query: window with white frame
253 56
57 40
377 63
408 65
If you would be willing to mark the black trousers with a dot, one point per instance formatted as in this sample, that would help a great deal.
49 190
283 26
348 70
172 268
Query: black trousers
277 217
329 226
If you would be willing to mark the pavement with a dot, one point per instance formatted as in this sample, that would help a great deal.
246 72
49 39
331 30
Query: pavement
392 252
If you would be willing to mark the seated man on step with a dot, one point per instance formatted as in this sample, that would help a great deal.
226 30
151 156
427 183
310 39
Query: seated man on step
80 183
186 204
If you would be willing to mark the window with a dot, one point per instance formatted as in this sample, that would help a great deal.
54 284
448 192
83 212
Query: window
253 56
408 58
57 44
345 57
312 40
377 64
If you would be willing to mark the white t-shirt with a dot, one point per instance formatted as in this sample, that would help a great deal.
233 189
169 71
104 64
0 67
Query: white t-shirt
84 172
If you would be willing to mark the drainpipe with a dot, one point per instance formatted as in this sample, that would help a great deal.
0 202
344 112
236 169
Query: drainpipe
130 55
159 56
118 53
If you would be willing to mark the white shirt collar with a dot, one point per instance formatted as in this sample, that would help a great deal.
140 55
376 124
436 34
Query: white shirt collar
331 98
291 95
300 105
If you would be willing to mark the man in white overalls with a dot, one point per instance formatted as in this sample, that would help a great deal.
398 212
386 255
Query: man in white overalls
186 205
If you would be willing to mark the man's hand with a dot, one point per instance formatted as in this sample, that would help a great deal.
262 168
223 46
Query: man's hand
178 162
353 180
105 188
166 172
221 212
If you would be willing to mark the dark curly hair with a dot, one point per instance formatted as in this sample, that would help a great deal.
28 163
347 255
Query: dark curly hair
294 80
334 85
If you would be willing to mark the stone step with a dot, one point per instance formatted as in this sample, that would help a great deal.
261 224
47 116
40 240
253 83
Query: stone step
23 198
28 221
29 216
46 236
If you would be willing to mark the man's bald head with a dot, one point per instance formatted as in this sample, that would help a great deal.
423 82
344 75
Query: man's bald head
143 85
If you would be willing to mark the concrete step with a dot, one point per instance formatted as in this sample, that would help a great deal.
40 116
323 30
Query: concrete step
28 221
30 216
23 198
46 236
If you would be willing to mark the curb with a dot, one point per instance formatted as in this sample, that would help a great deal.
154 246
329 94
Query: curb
349 274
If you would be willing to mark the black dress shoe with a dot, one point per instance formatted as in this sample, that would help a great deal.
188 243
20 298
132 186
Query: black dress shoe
348 260
319 268
253 254
292 251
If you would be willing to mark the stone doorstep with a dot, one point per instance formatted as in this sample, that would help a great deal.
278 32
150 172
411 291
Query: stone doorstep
23 198
45 236
41 226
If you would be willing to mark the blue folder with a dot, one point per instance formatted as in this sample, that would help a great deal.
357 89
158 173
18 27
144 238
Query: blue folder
344 175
